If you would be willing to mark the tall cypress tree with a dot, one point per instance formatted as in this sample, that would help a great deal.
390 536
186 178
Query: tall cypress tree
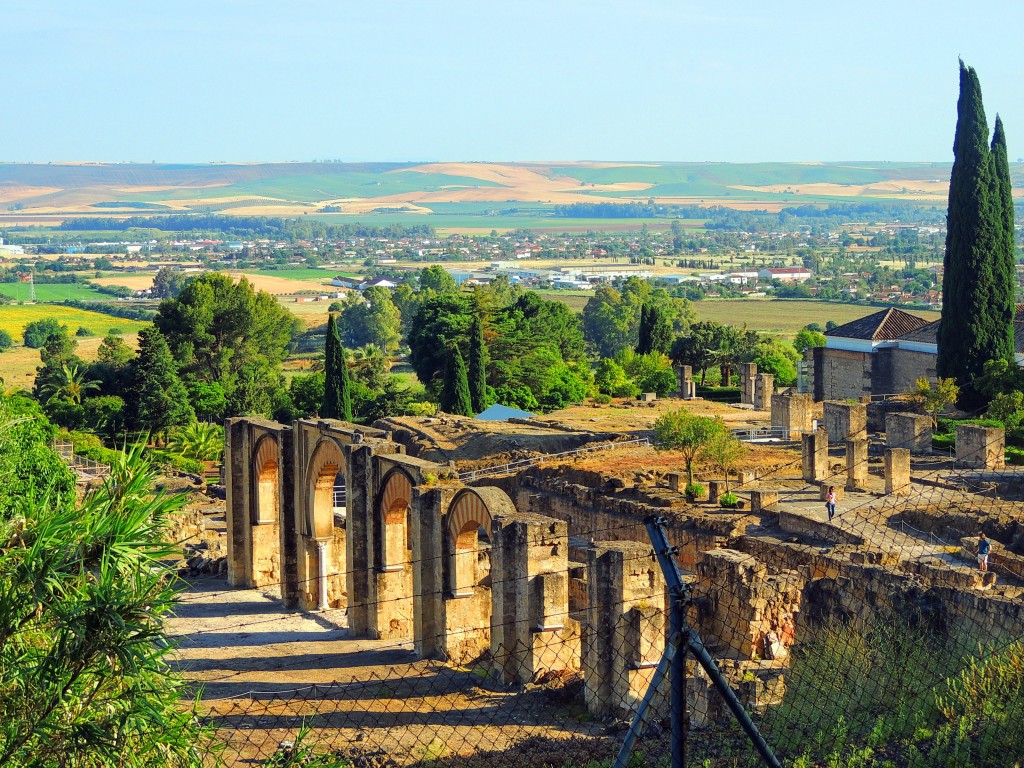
477 365
455 398
977 307
1007 250
337 393
660 330
643 345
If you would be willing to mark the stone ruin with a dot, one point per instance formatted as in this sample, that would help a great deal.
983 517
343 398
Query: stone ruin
756 389
340 516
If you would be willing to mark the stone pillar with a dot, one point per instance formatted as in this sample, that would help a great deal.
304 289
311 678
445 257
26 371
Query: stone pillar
764 390
845 421
794 414
897 471
675 481
531 631
980 447
687 386
856 464
625 632
428 588
763 501
359 542
748 376
289 535
815 455
236 459
715 490
912 431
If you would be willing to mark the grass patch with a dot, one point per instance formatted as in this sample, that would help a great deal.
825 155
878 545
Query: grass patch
13 319
784 317
53 292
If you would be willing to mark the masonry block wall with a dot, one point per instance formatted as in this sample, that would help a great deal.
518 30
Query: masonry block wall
624 635
793 413
912 431
815 456
845 421
980 447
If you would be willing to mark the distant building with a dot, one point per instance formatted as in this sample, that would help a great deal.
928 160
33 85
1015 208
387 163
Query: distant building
785 274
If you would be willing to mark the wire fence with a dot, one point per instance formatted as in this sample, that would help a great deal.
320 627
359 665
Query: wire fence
875 638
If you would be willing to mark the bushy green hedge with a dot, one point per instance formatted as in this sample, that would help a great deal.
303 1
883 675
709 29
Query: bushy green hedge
89 445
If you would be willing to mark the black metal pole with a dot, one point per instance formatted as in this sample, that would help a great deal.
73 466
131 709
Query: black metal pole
679 590
677 626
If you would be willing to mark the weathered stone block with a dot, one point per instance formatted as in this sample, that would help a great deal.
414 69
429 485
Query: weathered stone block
763 501
748 383
715 490
794 414
764 390
980 447
856 464
648 397
815 456
897 471
845 421
912 431
823 491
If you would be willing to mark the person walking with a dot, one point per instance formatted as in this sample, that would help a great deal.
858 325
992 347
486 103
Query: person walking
984 546
830 502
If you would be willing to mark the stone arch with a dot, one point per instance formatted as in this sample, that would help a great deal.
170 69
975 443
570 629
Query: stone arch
325 464
471 509
265 472
394 500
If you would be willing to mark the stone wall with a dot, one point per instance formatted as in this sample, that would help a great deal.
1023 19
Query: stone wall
912 431
793 413
845 421
980 447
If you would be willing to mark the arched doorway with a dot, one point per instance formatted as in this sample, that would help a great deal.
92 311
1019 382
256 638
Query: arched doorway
322 551
394 556
264 514
469 525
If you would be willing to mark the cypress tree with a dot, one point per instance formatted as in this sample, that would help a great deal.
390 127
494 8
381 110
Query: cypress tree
455 398
977 305
660 330
337 395
643 345
477 365
1007 250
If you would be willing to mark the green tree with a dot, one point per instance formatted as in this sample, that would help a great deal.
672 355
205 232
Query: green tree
442 321
111 365
217 328
806 338
611 317
455 396
337 390
724 449
158 400
70 384
6 342
682 431
933 399
655 332
697 347
436 278
37 332
371 318
199 440
307 393
168 282
611 379
649 373
477 365
977 299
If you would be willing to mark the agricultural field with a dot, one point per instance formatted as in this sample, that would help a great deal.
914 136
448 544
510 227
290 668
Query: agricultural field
784 317
53 292
272 282
18 365
14 318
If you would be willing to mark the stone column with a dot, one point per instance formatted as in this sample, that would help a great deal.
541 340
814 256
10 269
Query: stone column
763 501
897 471
687 386
359 541
980 447
625 632
236 459
748 375
856 464
289 534
764 389
815 455
531 630
715 490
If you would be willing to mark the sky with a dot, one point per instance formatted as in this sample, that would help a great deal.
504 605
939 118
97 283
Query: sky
391 80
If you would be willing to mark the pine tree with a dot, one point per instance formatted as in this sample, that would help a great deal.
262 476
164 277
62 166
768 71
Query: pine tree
477 365
643 345
977 303
337 395
455 398
158 400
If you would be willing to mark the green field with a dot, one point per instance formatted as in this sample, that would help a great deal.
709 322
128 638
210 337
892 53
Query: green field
13 319
53 292
309 273
785 317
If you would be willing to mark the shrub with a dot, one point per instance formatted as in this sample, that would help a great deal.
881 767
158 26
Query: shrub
83 332
1014 455
694 489
6 342
729 500
602 399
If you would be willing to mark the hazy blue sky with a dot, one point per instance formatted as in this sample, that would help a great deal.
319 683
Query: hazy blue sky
733 80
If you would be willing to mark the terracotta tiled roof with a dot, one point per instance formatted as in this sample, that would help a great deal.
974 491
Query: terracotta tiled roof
886 325
926 334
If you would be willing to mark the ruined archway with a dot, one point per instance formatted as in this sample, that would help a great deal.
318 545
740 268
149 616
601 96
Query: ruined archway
469 521
394 556
321 562
265 472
